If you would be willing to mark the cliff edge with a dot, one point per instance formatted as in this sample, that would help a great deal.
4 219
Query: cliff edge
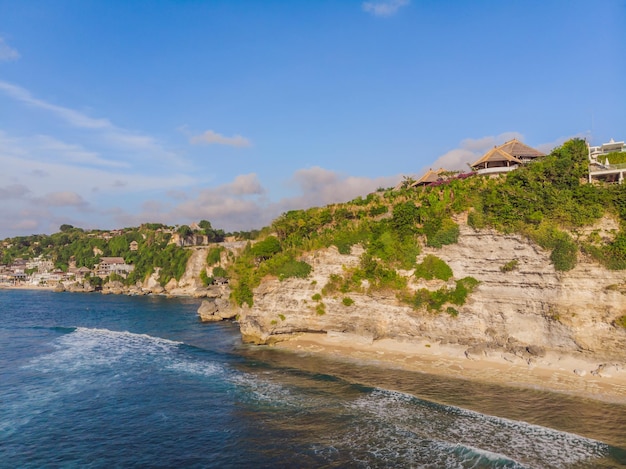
527 314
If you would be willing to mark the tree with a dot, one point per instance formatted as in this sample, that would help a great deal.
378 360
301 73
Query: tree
184 231
205 225
266 248
65 228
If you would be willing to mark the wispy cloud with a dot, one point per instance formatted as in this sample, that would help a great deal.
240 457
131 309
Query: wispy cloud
136 144
213 138
75 118
73 153
13 191
384 8
7 52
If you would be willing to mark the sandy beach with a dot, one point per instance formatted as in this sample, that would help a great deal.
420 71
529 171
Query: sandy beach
558 373
26 287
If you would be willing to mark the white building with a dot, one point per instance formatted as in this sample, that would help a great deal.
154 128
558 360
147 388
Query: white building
596 152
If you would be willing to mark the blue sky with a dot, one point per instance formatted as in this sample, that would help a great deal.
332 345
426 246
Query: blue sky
114 113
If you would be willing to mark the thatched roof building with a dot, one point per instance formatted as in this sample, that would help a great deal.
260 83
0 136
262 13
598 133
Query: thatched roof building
505 157
430 177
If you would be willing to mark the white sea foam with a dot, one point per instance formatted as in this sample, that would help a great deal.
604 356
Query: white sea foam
112 355
263 389
468 434
100 348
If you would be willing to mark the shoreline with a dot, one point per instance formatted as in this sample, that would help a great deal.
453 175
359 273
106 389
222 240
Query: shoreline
27 287
553 372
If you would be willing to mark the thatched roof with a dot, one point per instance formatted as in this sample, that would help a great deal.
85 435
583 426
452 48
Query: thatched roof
430 176
495 155
520 150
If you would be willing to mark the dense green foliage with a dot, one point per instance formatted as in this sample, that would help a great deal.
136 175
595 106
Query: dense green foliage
433 268
267 248
617 157
86 248
214 255
435 300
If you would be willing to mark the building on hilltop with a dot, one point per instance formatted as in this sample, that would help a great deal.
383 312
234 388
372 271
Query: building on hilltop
600 168
612 146
506 157
429 177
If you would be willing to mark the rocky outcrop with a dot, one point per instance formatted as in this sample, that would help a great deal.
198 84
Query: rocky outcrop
216 309
523 314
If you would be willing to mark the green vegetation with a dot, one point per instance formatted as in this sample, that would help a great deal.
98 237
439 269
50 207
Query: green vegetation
435 300
220 272
618 157
433 268
316 297
509 266
267 257
347 301
621 321
86 248
214 255
265 249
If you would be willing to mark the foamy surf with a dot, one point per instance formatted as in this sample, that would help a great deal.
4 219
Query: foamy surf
470 436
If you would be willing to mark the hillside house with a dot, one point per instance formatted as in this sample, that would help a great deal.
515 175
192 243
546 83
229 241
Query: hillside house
597 152
113 265
599 167
429 177
506 157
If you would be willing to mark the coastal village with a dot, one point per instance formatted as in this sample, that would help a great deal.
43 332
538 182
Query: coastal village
40 271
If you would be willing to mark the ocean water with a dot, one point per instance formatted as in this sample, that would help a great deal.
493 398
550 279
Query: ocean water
96 381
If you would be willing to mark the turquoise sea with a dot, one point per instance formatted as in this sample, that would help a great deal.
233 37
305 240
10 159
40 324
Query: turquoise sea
94 381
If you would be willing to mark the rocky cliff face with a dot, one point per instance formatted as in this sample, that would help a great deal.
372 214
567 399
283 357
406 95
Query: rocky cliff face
524 313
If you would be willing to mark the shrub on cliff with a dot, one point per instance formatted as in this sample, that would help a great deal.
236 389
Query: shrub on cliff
440 232
266 248
433 268
435 300
214 255
285 266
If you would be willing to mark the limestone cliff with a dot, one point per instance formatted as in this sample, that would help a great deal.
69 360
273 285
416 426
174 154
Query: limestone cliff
521 314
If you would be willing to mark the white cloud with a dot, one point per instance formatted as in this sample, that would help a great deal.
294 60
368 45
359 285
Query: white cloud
242 204
549 146
62 199
7 52
245 184
384 8
213 138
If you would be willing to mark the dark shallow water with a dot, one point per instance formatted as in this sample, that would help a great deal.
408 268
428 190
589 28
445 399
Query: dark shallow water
113 381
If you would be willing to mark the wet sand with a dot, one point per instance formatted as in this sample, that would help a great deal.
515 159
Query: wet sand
553 372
